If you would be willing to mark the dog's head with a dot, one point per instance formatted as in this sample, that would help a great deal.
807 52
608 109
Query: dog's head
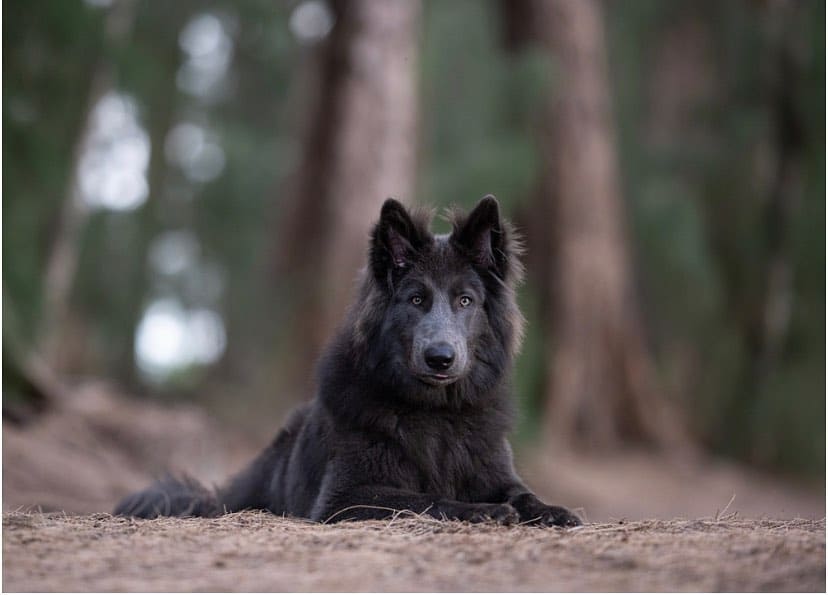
450 313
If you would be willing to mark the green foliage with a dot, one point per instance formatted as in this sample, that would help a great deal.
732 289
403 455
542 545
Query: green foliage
698 205
479 106
48 49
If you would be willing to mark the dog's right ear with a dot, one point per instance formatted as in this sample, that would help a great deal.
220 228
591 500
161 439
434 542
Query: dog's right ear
395 242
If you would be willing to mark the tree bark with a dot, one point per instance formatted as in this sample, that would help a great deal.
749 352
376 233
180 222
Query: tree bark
359 149
601 385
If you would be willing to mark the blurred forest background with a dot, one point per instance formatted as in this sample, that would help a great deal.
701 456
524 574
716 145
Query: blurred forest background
188 188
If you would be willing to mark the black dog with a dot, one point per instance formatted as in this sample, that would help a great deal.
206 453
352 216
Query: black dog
414 402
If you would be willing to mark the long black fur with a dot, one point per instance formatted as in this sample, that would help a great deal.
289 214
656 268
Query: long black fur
381 434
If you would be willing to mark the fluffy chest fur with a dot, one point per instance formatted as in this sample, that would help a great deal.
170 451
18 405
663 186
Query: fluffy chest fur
445 452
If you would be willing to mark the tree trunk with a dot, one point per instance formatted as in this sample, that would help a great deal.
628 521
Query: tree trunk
601 385
359 149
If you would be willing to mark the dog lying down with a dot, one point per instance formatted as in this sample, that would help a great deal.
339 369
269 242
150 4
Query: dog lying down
414 400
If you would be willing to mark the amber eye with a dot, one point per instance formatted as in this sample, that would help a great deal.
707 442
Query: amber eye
465 301
417 300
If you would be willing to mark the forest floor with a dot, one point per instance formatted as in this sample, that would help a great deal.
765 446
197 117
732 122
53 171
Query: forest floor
255 551
63 470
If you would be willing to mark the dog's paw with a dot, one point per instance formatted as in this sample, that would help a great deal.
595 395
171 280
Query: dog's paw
555 516
534 512
503 514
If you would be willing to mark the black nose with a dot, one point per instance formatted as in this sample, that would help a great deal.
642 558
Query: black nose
439 356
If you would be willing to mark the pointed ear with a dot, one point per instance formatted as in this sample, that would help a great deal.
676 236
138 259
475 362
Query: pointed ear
395 241
481 236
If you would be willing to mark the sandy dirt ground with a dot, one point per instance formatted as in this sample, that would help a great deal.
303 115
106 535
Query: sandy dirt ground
254 551
65 469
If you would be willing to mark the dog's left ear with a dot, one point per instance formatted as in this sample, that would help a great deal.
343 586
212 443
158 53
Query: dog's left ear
481 236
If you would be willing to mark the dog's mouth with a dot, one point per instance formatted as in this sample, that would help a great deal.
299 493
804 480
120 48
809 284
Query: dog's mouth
437 379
